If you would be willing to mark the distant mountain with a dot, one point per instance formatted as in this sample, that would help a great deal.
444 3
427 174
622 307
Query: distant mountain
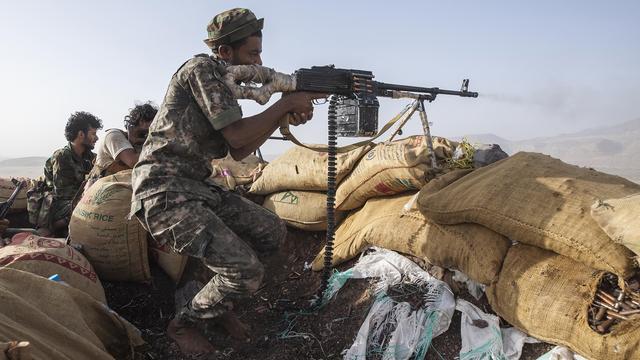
31 167
24 161
612 149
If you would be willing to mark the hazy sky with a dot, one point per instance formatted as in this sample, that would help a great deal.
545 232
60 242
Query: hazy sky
542 68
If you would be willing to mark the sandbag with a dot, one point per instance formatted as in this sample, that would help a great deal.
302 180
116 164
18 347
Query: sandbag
229 173
547 296
443 181
385 222
538 200
115 245
306 210
7 188
620 219
303 169
48 256
60 322
167 259
390 168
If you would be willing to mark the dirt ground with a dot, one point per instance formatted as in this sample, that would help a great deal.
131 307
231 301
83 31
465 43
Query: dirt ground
281 325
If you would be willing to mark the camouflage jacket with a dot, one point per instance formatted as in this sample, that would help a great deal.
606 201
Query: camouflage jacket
65 171
185 134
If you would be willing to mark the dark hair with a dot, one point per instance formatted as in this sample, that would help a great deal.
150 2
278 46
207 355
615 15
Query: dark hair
236 44
140 112
80 121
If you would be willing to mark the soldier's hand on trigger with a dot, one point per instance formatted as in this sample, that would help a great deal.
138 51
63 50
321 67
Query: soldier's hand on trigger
301 106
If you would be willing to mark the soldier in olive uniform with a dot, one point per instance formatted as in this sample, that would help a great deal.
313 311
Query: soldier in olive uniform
199 120
66 169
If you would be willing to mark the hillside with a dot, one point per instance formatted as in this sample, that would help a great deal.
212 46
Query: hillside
26 166
611 149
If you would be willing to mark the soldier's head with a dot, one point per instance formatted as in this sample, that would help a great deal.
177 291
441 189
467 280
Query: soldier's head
81 129
138 120
235 36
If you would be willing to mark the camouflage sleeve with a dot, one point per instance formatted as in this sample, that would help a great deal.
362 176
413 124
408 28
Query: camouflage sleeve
213 97
64 176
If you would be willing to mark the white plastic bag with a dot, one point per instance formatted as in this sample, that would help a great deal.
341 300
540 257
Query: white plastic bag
561 353
413 330
482 337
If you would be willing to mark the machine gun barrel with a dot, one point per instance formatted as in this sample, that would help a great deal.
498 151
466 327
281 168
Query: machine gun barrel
385 89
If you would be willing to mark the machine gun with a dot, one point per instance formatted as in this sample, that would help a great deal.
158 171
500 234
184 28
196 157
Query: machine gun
6 205
353 112
355 90
357 110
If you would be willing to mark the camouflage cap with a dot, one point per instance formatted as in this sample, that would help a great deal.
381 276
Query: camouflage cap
232 25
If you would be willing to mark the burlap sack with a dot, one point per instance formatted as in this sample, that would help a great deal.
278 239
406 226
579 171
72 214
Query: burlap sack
443 181
306 210
547 296
303 169
385 222
60 322
541 201
620 219
388 169
171 262
229 173
47 256
7 188
115 245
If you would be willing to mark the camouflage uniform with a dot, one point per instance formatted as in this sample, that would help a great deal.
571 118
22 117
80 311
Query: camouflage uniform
175 201
64 173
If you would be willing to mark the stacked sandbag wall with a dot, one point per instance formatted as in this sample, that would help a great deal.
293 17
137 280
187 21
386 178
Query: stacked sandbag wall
538 200
392 223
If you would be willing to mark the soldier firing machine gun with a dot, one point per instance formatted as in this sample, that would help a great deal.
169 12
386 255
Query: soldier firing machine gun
353 112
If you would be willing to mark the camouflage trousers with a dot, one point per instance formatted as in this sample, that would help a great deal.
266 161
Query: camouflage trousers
61 210
222 231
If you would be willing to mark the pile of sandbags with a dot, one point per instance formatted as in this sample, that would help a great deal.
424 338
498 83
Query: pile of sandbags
392 223
300 168
548 282
49 256
113 243
44 319
541 201
295 183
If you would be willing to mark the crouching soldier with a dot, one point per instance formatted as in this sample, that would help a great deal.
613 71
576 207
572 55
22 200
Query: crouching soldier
199 120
